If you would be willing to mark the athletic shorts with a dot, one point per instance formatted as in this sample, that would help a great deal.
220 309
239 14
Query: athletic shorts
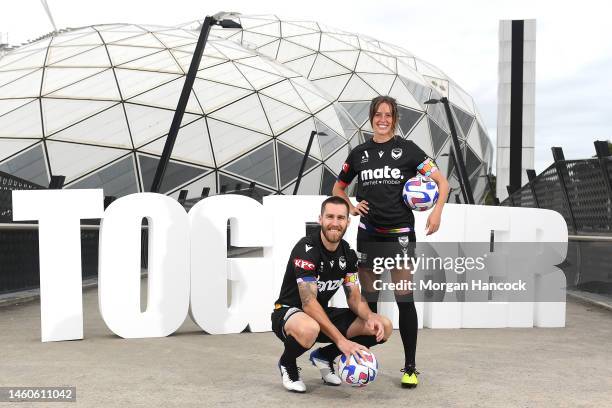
342 318
371 246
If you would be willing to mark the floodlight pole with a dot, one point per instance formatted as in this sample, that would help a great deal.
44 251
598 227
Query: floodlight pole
463 176
299 177
184 98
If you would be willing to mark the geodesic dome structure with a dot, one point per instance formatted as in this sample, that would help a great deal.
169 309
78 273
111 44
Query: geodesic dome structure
95 104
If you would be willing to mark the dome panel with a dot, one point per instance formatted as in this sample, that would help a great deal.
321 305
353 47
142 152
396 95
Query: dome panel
61 113
230 141
29 165
298 137
56 78
246 112
9 147
160 61
258 165
281 116
134 82
95 57
98 86
176 174
28 86
22 122
118 179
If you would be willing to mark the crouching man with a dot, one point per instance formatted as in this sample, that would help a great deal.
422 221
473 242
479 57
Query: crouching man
317 267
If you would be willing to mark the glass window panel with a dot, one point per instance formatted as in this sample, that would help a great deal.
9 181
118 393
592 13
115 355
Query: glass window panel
176 173
100 86
60 113
302 65
85 39
184 60
258 165
27 86
120 54
357 90
289 51
336 161
359 111
307 40
366 63
438 136
110 36
172 41
281 116
29 165
403 96
311 96
10 76
254 40
192 145
289 162
96 57
330 43
420 136
472 162
134 82
14 60
380 82
324 67
408 118
284 92
106 128
346 58
226 73
332 86
62 158
144 40
117 180
269 50
167 96
214 95
328 181
298 137
7 105
230 50
56 78
258 78
148 123
272 29
9 147
349 39
421 93
289 29
160 61
465 120
475 142
230 141
346 122
22 122
57 54
246 112
310 183
330 119
484 140
460 98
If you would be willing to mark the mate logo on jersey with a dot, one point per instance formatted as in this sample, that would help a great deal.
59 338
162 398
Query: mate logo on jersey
305 265
381 173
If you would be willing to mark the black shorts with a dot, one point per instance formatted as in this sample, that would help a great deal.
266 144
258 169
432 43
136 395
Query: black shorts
342 318
370 246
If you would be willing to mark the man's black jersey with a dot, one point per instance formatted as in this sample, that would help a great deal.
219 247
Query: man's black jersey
382 169
310 261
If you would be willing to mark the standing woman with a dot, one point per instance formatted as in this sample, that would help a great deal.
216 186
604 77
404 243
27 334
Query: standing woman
382 166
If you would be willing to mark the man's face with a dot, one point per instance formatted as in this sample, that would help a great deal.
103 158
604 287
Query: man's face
334 222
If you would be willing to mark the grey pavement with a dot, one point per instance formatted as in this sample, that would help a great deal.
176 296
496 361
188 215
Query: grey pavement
564 367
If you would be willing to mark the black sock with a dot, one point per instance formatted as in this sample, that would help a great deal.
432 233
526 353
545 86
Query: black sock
330 352
293 350
368 341
409 325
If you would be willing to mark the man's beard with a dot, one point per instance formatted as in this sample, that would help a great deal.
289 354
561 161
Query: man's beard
331 238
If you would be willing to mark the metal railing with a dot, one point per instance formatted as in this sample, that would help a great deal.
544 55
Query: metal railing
580 190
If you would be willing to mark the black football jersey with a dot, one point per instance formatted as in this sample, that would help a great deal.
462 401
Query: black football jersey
310 261
382 169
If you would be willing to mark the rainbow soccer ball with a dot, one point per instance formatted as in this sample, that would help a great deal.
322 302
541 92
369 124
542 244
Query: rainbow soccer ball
356 374
420 193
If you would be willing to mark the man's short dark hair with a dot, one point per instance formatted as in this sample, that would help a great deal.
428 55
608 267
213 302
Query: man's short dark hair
334 200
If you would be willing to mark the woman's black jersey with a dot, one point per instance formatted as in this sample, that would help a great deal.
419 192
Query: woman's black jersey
382 169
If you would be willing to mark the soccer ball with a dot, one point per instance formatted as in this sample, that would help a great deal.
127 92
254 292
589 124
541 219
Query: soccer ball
356 374
420 193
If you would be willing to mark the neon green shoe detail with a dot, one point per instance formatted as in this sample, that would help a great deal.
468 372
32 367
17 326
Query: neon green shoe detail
410 378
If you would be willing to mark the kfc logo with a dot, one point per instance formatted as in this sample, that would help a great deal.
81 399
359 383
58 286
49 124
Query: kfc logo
305 265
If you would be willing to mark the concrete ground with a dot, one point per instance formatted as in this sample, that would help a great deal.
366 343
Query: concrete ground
567 367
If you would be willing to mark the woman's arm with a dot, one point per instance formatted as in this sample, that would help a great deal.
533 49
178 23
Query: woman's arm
435 217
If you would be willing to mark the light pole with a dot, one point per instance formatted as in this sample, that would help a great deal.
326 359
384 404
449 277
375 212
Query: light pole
220 20
466 189
299 178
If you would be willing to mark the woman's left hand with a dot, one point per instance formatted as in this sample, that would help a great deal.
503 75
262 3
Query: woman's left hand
433 222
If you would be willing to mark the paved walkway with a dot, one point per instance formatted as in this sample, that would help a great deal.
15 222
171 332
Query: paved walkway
569 367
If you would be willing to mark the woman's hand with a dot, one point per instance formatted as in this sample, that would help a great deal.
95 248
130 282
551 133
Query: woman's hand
433 222
361 208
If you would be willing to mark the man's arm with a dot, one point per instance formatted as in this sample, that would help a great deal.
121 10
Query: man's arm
360 307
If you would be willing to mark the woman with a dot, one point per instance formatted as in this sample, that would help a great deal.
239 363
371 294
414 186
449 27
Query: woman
382 166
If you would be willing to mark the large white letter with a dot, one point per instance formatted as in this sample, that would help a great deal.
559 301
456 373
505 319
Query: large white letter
168 269
251 291
59 213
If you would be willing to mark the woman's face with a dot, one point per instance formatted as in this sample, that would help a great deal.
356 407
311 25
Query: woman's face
382 124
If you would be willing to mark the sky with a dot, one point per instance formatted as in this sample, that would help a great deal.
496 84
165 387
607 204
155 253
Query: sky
573 47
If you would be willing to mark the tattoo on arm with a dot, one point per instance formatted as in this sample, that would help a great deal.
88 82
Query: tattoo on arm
308 292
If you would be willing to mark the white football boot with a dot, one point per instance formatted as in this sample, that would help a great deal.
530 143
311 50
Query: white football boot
326 368
291 378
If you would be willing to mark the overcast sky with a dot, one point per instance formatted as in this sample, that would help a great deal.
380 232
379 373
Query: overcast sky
573 62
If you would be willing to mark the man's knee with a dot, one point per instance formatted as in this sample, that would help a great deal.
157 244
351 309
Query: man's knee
306 333
388 326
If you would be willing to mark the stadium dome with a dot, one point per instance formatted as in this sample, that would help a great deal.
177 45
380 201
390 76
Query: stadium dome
95 104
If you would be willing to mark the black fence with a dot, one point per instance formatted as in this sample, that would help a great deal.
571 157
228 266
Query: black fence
580 190
9 183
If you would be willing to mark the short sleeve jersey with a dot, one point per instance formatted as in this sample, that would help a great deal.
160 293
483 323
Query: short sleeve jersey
382 170
310 261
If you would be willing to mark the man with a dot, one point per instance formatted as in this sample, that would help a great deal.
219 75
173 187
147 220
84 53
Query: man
317 267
